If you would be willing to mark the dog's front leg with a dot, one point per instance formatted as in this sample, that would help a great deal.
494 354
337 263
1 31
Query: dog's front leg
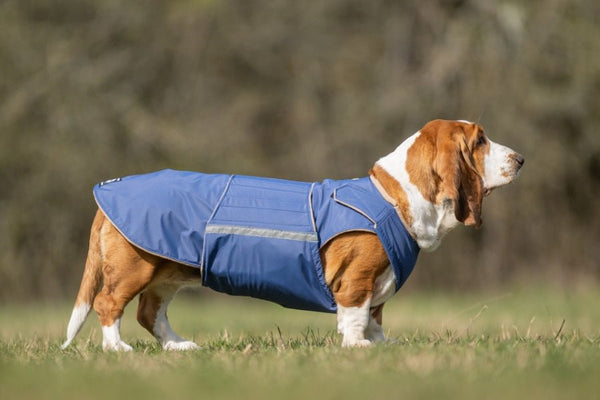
374 331
357 272
352 324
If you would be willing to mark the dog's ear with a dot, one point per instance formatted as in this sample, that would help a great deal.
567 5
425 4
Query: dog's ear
460 182
471 190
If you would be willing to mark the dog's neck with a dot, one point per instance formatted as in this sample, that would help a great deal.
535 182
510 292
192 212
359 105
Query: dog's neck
427 222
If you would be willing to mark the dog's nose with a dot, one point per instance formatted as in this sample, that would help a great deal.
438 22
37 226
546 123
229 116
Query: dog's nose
518 158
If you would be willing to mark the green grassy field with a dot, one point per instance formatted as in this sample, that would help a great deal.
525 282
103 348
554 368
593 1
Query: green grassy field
514 344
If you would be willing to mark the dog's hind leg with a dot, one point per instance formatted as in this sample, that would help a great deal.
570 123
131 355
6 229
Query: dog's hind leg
126 271
152 308
152 315
110 304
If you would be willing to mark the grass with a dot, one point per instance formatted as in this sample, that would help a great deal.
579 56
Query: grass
539 343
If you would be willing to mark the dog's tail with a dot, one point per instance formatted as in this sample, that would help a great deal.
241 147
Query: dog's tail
90 283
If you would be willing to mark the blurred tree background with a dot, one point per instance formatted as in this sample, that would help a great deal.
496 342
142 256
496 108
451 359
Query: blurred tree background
95 89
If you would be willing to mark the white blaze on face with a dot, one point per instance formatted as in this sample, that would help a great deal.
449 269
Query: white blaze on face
500 166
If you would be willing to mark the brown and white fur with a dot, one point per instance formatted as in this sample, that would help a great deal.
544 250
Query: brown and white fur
436 179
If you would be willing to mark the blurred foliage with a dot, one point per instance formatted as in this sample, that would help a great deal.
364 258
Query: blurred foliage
94 89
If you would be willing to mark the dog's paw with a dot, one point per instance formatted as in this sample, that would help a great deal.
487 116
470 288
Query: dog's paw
180 346
120 346
356 343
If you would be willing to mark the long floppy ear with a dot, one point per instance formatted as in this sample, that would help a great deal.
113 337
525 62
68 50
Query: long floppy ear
471 190
460 182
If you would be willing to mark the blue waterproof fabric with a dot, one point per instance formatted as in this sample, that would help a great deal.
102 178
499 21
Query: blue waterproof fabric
251 236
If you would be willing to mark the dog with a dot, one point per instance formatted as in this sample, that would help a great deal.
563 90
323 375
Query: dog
335 246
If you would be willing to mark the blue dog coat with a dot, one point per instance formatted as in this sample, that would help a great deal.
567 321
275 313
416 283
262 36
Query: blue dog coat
251 236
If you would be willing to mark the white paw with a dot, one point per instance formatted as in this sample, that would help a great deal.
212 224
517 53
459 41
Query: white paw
180 346
118 346
356 343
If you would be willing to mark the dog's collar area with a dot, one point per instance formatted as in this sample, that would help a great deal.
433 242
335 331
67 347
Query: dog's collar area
393 202
384 192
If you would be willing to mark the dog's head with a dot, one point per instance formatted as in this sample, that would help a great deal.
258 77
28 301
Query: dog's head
455 163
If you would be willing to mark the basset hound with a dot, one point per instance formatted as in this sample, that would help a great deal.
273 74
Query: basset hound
352 243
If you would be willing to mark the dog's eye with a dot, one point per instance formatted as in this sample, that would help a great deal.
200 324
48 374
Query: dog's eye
481 141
